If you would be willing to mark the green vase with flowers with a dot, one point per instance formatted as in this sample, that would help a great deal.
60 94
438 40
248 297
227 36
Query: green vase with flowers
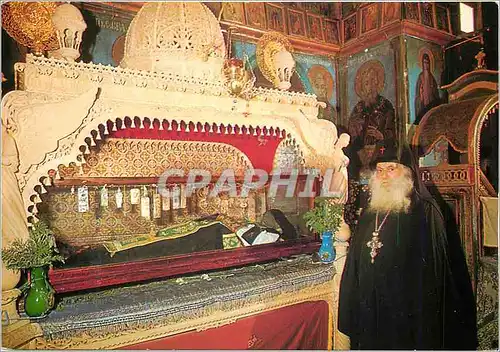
35 255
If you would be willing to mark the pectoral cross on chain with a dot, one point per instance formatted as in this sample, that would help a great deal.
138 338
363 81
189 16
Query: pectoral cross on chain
375 245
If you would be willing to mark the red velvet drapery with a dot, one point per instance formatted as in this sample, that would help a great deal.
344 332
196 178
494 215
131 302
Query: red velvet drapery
302 326
259 149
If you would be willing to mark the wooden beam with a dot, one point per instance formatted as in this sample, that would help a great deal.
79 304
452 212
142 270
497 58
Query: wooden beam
386 33
426 33
124 181
371 39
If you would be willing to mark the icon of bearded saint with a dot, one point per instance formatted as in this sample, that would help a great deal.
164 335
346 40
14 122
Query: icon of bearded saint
373 118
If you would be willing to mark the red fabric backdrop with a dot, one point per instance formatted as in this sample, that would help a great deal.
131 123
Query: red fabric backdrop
298 327
259 149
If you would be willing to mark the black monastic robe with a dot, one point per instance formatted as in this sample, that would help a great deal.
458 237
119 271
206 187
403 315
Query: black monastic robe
411 297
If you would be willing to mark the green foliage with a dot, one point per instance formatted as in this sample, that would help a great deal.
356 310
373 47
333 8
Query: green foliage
38 250
325 216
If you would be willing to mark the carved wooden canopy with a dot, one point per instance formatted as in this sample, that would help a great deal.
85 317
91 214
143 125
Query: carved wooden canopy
471 97
450 121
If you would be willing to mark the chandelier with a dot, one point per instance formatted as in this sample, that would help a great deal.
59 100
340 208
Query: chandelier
238 80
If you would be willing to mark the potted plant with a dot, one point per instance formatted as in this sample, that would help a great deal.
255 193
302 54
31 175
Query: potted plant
325 218
35 254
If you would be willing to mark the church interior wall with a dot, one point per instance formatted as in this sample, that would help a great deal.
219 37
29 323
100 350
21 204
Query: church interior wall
315 74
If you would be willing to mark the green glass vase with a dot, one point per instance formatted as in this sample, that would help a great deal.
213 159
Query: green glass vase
40 298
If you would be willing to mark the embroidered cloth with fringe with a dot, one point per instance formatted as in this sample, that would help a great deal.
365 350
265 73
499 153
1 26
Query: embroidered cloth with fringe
179 299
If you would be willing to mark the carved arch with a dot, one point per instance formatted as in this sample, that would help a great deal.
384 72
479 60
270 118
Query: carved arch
480 116
72 147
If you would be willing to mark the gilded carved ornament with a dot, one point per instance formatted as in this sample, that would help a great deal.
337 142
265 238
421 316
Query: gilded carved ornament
30 24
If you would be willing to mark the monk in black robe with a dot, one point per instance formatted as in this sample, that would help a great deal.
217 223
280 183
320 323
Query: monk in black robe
405 284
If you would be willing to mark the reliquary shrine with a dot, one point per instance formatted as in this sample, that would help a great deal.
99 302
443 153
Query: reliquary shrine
91 143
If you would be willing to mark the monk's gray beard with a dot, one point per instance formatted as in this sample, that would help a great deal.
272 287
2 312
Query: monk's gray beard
395 196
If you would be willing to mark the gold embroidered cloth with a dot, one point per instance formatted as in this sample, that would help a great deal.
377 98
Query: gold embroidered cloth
169 233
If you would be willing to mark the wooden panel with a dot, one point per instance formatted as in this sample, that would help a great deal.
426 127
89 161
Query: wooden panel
391 12
332 31
296 23
350 28
369 18
70 280
314 27
256 14
275 18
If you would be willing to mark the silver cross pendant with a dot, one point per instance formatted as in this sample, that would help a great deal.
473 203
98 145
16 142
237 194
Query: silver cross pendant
375 245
